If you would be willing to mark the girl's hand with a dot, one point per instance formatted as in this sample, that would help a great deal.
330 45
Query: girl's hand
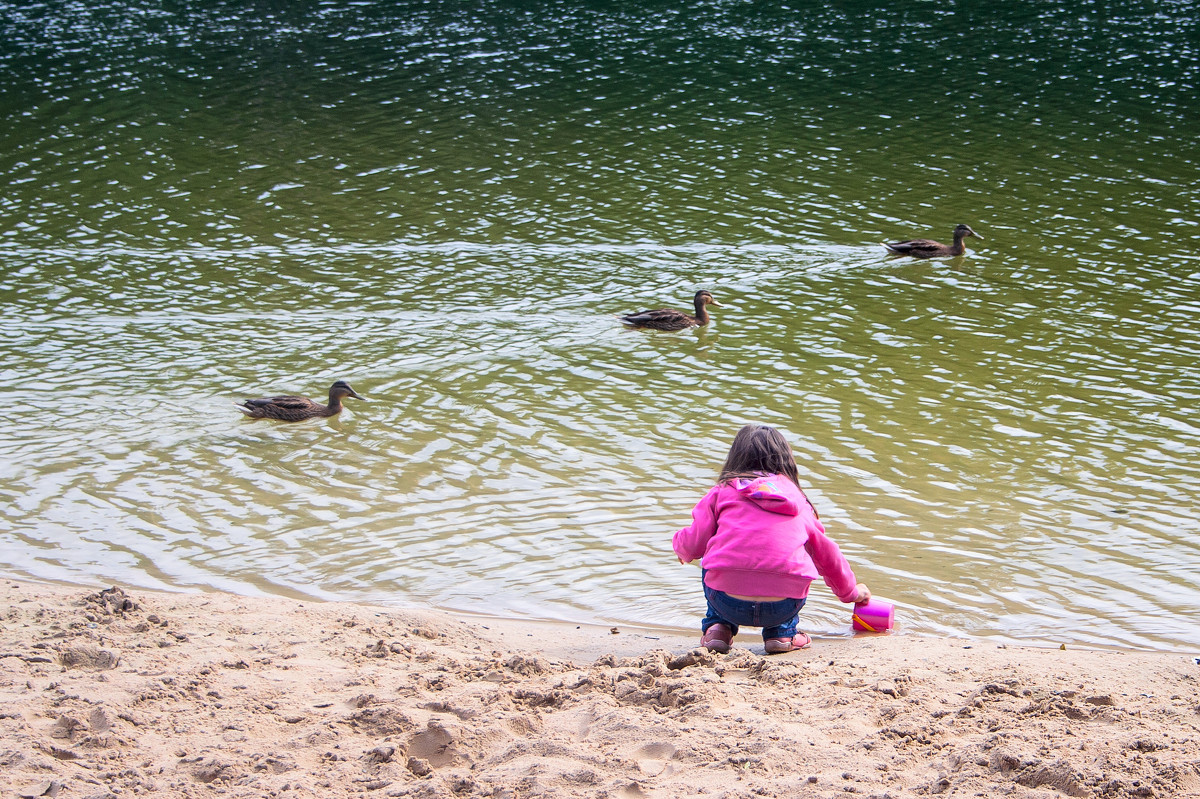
864 595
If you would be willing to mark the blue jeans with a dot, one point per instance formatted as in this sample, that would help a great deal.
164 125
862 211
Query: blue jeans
777 619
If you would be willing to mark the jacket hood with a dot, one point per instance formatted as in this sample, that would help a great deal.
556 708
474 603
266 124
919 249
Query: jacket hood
768 493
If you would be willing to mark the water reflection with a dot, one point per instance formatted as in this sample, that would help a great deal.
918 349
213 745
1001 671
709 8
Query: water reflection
448 207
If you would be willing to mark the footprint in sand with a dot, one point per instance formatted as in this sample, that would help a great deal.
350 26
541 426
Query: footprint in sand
434 744
652 759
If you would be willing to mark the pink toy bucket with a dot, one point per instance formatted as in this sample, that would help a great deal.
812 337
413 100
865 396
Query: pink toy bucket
874 617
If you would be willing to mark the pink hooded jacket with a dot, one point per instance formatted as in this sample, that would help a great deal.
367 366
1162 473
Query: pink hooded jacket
761 537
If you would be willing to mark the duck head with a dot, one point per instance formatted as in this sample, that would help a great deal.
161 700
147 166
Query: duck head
342 389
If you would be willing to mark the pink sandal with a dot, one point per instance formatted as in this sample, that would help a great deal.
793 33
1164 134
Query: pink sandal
775 646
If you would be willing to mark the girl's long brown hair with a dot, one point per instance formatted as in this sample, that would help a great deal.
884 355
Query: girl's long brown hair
757 450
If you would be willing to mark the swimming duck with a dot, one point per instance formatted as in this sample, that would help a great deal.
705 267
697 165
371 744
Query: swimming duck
295 409
670 319
927 248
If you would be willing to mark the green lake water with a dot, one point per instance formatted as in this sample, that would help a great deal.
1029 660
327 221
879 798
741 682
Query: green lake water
446 204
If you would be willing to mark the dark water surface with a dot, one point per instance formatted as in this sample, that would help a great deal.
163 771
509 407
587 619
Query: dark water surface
446 204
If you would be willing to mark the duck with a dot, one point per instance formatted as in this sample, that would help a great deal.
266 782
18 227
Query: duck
670 319
296 409
927 248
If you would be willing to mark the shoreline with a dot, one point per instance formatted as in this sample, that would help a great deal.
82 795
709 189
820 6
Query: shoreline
554 627
112 693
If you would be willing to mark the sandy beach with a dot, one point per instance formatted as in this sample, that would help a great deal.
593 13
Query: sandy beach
110 693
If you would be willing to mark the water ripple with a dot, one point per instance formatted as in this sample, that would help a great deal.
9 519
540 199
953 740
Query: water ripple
448 207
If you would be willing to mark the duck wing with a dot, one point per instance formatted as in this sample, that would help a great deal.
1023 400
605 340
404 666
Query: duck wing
291 403
913 246
660 319
280 407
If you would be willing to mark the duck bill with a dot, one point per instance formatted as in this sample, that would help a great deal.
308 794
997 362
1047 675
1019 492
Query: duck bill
356 395
719 305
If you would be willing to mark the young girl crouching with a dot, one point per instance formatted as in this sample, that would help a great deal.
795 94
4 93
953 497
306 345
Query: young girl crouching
761 545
